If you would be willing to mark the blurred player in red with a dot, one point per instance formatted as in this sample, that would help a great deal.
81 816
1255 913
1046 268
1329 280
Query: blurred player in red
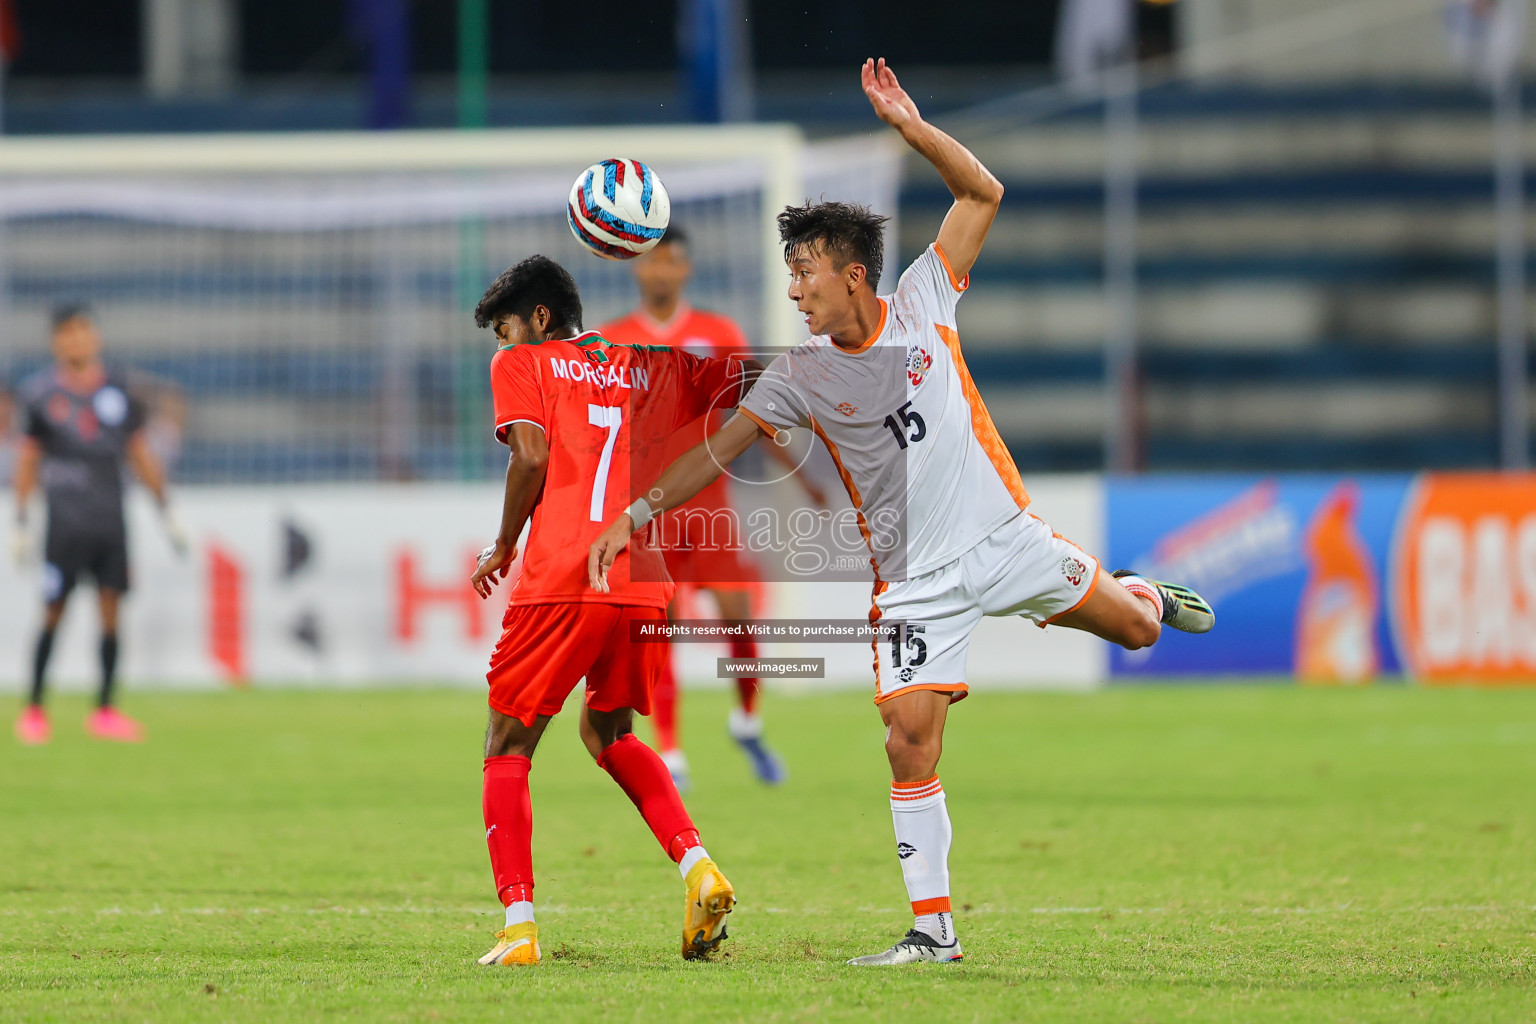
694 556
585 421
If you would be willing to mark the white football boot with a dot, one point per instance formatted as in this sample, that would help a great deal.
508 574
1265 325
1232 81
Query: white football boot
914 948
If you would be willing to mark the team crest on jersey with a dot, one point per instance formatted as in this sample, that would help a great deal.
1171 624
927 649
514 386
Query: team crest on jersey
111 406
918 363
1074 570
847 408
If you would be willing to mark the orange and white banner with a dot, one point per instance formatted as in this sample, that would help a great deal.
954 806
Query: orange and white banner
1463 580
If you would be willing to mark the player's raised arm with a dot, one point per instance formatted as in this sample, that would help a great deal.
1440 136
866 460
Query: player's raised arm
146 467
693 471
977 193
526 468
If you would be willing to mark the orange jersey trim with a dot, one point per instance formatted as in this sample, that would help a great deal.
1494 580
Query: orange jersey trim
956 691
959 284
761 423
848 484
982 426
885 309
879 588
842 472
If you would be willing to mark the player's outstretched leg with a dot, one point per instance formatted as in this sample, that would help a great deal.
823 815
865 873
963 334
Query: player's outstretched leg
32 726
709 895
508 815
106 722
914 735
1131 611
1179 607
509 837
664 721
744 725
746 728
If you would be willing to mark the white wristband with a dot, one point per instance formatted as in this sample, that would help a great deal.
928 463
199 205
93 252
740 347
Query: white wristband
641 513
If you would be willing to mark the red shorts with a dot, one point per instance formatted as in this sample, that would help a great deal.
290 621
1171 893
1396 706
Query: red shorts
546 649
698 552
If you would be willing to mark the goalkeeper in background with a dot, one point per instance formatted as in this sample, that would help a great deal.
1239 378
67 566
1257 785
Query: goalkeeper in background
81 423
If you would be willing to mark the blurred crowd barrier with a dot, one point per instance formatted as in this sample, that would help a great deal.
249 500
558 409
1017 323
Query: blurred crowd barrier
1332 579
368 584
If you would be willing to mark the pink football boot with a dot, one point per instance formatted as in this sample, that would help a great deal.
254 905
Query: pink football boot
112 724
32 726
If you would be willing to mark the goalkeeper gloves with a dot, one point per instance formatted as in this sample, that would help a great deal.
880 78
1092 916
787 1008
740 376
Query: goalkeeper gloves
174 532
21 542
21 545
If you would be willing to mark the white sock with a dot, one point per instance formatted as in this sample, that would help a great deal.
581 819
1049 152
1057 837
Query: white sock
520 912
690 858
744 725
923 836
939 927
1141 588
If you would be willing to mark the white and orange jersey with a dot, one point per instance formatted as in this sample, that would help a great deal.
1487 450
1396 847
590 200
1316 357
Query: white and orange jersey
901 417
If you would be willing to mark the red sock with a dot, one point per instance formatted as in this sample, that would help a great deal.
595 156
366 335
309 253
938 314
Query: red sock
744 648
664 706
646 781
509 826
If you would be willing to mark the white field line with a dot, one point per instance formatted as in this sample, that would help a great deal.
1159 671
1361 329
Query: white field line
555 908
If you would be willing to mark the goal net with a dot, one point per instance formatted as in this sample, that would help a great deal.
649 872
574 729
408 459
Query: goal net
299 308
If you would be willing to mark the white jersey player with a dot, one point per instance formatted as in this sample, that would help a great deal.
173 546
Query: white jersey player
942 510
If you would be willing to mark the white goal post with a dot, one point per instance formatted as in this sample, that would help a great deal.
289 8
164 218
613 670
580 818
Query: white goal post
777 149
310 292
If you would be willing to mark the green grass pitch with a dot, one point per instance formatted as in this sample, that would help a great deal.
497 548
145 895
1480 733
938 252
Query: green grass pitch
1256 853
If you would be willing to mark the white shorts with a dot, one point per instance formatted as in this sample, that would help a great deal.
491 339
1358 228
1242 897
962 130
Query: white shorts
1021 569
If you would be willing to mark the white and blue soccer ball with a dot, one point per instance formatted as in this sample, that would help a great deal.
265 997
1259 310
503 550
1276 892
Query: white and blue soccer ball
618 209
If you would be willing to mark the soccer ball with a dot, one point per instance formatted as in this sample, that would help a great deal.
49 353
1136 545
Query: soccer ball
618 209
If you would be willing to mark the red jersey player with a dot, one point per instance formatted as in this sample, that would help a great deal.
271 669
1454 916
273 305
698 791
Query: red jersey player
585 421
692 555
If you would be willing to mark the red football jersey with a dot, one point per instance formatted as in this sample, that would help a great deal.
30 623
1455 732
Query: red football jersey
703 334
608 412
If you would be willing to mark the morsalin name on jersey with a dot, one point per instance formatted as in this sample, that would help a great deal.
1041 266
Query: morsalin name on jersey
598 375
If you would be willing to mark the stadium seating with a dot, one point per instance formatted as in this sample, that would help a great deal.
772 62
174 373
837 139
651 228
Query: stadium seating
1316 269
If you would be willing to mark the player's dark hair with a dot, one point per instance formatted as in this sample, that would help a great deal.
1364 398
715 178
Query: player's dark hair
536 281
845 232
64 312
675 234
